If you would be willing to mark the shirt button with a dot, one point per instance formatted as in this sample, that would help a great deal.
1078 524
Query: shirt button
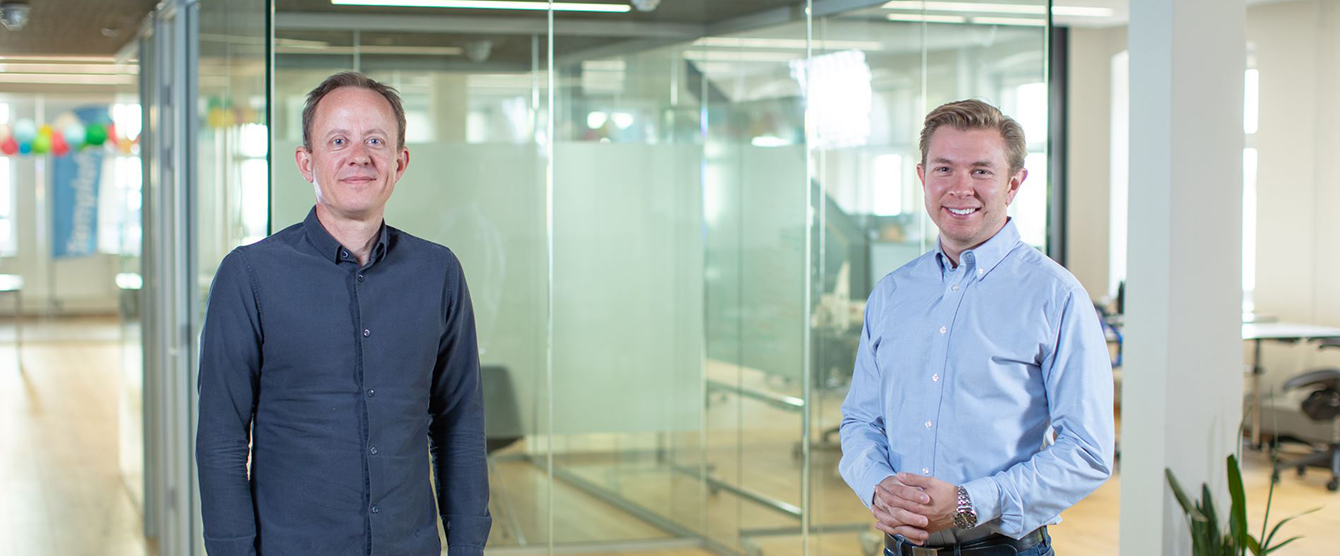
376 510
928 424
925 471
372 393
981 271
935 377
344 254
373 450
366 332
360 277
954 287
942 330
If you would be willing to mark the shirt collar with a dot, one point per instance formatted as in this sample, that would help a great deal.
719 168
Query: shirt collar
329 247
986 256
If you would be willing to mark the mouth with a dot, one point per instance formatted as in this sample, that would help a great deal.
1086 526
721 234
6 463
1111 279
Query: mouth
962 212
358 179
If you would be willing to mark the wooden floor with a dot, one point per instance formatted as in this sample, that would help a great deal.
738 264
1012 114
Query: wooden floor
66 490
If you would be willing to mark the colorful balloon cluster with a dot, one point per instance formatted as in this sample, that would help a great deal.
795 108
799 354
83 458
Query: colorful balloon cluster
26 137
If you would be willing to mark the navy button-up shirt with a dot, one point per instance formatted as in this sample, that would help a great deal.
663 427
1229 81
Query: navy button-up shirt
342 379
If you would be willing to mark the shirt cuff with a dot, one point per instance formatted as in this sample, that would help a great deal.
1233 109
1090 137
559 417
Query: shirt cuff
872 476
984 493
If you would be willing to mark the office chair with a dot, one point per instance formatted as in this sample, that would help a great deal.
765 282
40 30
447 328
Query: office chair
1321 405
502 423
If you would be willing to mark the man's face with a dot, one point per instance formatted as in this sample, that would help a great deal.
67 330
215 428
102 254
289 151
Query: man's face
967 184
354 163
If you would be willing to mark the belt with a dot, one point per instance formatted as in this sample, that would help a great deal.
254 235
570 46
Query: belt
989 546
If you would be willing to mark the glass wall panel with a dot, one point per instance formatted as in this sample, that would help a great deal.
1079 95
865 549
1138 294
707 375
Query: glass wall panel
475 101
669 277
876 73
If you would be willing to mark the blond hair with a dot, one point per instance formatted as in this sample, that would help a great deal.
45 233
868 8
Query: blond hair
964 115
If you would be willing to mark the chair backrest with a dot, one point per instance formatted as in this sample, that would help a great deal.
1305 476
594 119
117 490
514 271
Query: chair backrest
502 414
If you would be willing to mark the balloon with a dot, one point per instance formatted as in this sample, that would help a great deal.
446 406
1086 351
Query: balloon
41 144
44 130
5 132
96 134
74 134
25 148
111 132
9 146
63 120
25 131
58 145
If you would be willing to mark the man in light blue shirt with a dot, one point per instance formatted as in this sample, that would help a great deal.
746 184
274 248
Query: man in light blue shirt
981 401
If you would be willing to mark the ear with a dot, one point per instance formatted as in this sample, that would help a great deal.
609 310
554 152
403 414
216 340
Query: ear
304 159
921 174
401 163
1015 181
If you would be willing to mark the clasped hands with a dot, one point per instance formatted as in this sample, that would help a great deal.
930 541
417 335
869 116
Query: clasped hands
914 506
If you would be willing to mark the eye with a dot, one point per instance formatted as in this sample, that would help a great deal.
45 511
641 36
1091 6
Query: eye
981 172
375 141
338 141
941 169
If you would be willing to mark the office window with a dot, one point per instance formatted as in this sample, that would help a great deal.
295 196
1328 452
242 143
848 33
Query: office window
119 193
1250 120
8 244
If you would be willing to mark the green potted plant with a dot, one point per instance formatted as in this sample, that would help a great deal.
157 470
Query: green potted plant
1208 540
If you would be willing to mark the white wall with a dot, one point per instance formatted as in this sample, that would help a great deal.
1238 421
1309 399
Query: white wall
1088 172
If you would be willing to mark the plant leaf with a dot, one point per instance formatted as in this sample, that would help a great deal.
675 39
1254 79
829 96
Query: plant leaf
1253 546
1178 492
1238 509
1276 529
1283 544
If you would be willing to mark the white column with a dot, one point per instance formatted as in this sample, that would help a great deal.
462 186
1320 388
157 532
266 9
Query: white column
1183 380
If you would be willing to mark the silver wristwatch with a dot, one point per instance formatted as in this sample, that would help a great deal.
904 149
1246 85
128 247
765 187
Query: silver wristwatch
965 517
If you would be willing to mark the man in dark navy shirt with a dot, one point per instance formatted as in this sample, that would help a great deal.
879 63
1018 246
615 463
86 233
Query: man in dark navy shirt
337 354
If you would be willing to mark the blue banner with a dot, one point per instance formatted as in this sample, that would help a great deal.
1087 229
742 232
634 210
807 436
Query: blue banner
74 203
74 195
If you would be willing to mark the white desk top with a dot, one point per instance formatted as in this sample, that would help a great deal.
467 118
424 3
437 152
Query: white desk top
1286 331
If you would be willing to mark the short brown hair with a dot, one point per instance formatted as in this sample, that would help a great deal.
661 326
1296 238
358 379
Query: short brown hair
964 115
351 79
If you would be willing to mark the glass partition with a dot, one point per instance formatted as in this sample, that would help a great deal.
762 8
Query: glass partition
670 273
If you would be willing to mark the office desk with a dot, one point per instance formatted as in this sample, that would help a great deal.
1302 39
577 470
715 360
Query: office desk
1287 332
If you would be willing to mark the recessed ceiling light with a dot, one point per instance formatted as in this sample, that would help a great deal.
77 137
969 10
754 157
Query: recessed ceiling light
489 5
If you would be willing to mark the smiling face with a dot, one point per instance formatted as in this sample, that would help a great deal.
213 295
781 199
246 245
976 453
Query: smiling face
354 161
967 183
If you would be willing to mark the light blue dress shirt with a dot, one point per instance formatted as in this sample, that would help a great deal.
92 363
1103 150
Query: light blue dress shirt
963 374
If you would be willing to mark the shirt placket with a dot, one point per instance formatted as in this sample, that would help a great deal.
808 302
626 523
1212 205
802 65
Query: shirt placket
955 282
363 337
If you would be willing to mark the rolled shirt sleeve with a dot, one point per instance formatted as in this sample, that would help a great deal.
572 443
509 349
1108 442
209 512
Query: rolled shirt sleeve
865 448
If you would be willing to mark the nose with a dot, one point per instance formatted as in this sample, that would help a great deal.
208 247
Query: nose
359 156
960 185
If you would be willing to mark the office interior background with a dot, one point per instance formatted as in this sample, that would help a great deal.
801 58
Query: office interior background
670 213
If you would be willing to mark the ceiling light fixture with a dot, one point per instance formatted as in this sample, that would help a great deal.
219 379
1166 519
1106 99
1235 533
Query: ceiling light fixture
1017 21
490 5
918 18
974 7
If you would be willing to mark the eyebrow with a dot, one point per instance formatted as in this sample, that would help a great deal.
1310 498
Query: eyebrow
978 164
376 130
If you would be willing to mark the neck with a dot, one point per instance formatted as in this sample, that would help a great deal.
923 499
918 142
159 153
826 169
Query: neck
357 234
952 252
